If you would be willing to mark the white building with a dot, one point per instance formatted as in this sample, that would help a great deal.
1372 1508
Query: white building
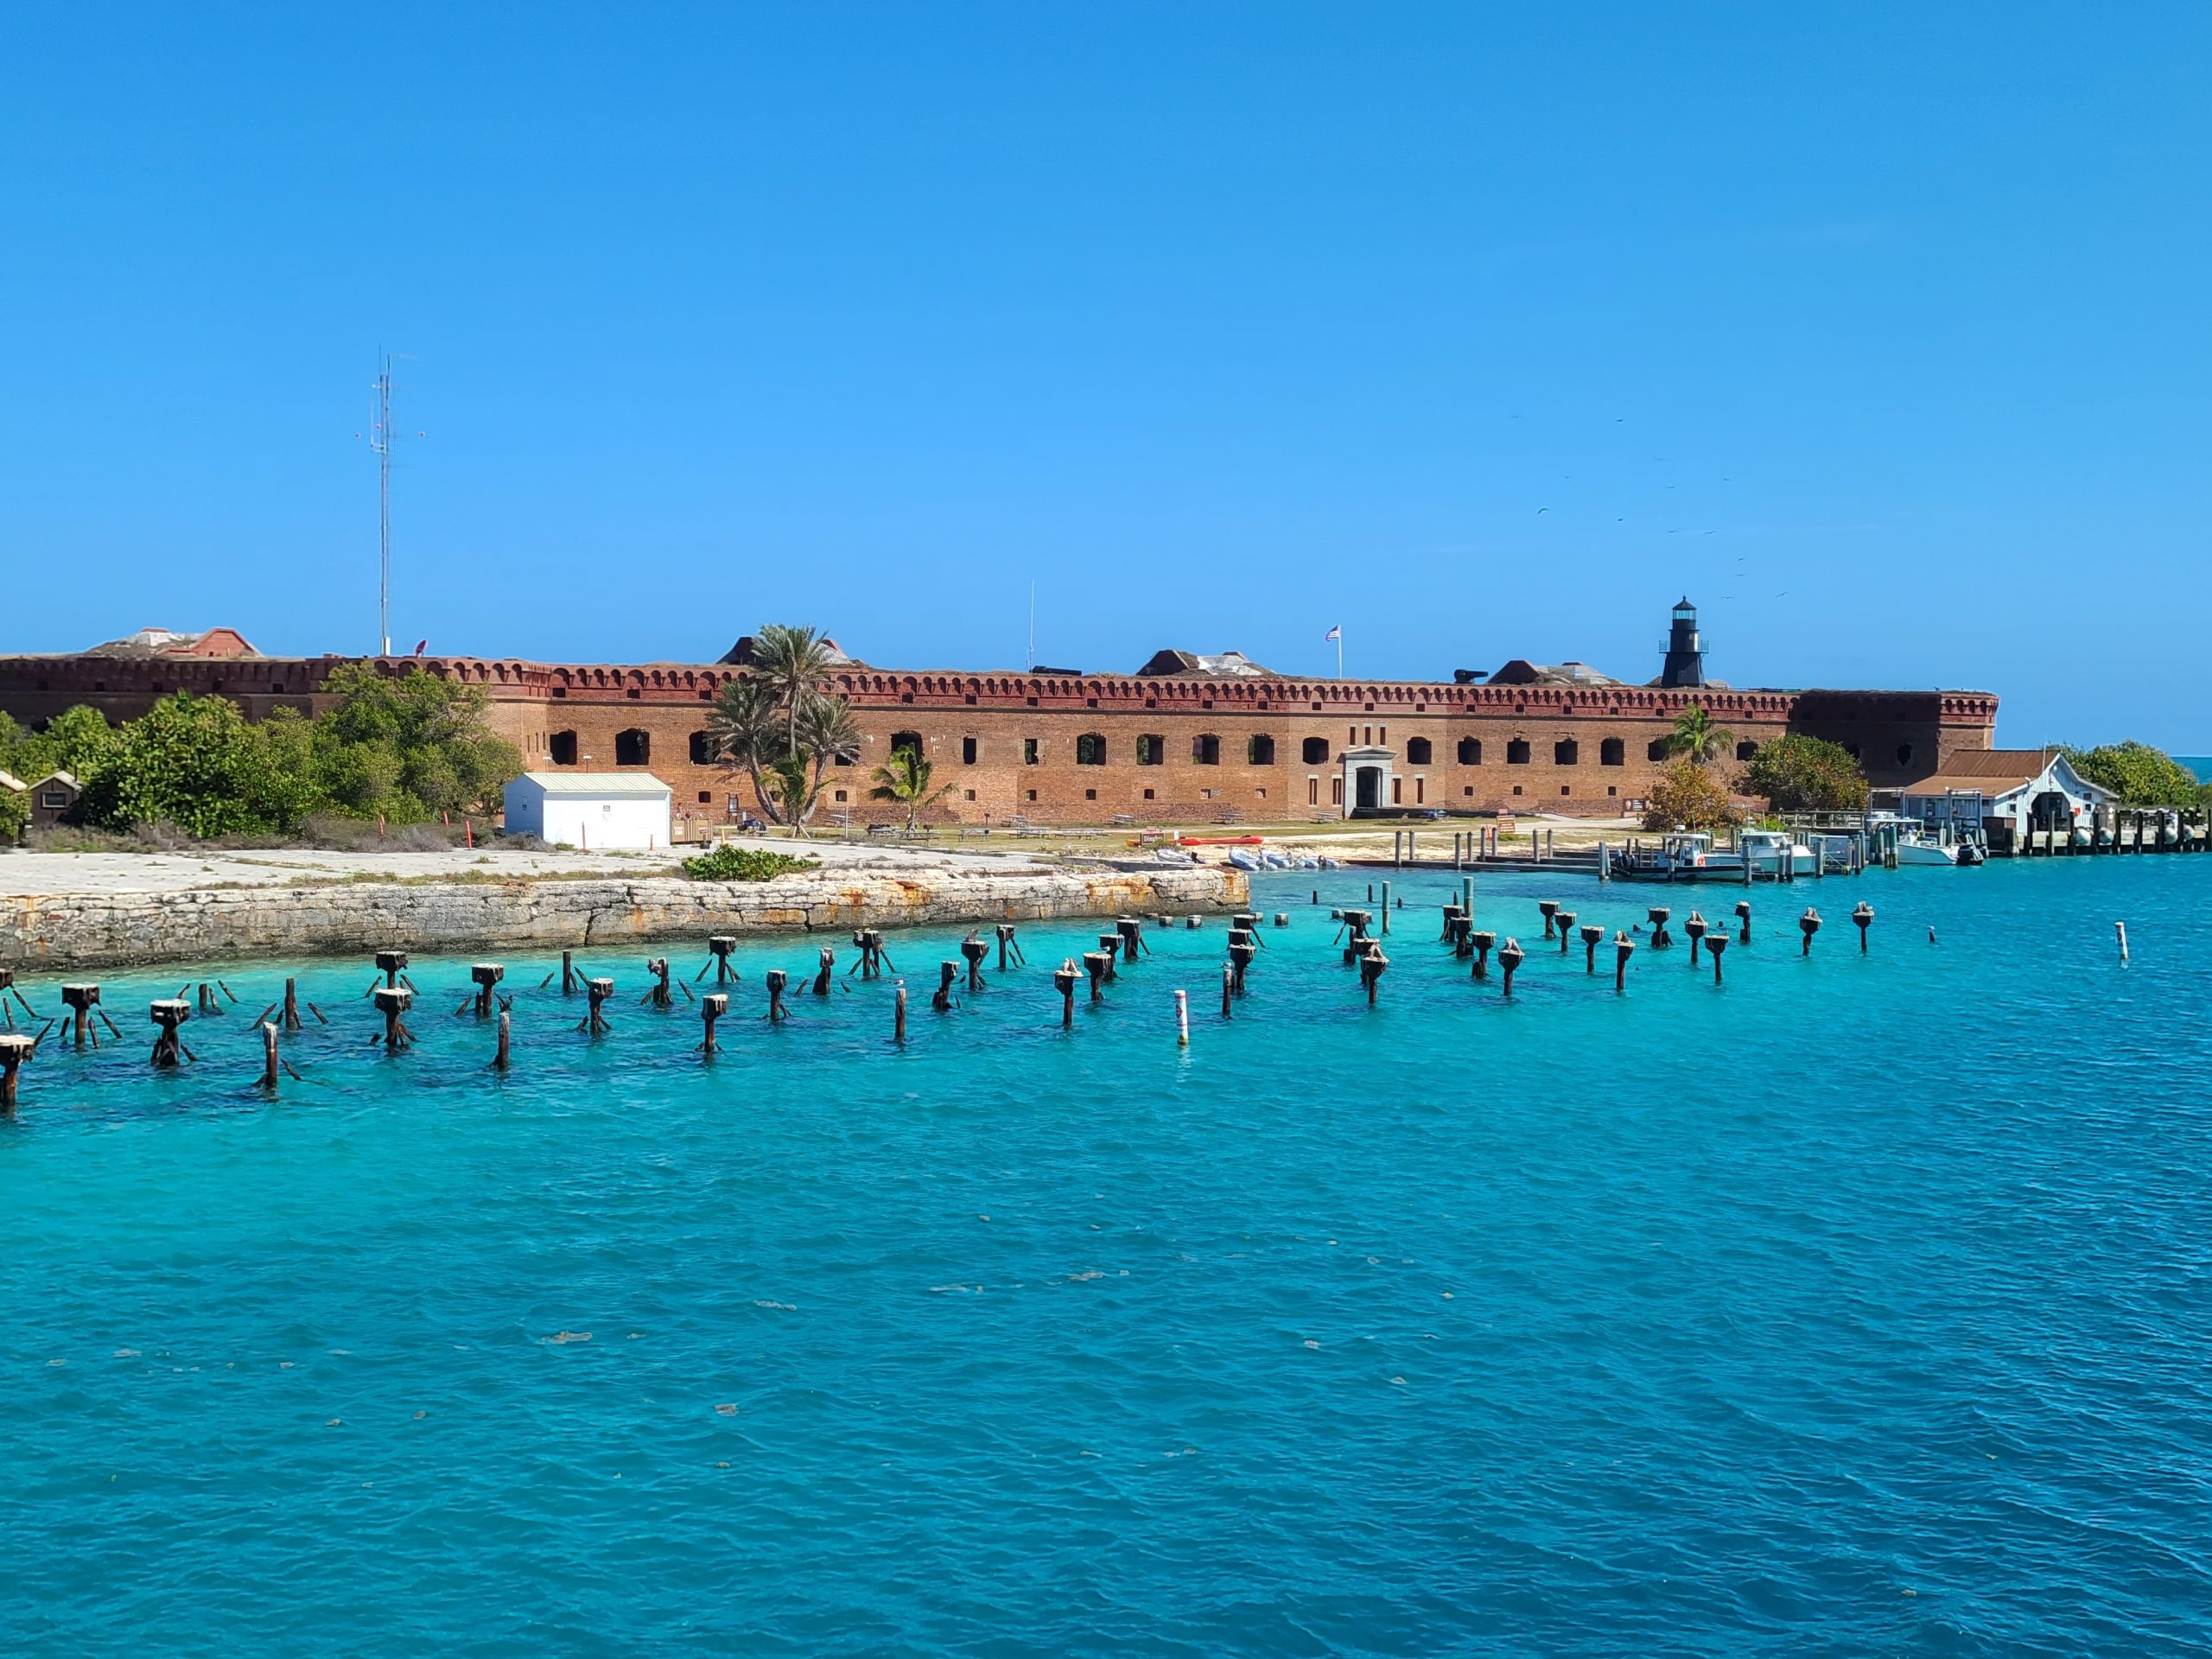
593 811
2009 790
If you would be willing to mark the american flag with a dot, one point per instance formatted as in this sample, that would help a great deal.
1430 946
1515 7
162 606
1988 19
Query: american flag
1337 633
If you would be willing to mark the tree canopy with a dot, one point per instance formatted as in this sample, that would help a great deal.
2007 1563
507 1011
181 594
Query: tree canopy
407 748
1686 795
1798 773
2138 774
1695 737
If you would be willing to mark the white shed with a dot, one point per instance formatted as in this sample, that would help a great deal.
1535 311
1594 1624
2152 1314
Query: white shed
593 811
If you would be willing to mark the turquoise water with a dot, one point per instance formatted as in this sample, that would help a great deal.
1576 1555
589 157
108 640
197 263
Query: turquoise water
1859 1306
2199 766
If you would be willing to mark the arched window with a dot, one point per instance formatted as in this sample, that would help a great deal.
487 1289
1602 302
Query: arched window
562 745
1471 751
1516 752
1417 752
1152 749
1261 751
1090 750
1658 751
1205 749
1746 750
906 740
1566 752
703 749
1315 751
1612 752
632 748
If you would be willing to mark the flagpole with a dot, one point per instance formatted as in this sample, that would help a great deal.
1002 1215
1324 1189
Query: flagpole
1341 651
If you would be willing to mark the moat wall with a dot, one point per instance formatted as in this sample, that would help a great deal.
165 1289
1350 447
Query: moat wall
88 930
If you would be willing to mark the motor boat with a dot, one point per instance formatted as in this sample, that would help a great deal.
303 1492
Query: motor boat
1916 848
1766 851
1684 855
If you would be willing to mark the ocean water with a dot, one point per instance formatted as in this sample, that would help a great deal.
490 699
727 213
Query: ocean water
2199 766
1858 1305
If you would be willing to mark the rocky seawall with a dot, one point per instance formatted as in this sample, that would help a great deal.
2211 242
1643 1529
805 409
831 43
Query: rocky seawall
127 928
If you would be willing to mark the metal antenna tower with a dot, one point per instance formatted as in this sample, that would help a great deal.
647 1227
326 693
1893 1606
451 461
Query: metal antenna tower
380 444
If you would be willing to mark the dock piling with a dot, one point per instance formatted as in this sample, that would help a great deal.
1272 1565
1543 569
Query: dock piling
1623 947
16 1048
1862 915
596 993
485 975
1510 957
392 1002
1808 924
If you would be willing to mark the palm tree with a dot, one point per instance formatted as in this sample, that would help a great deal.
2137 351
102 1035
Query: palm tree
746 733
795 789
794 663
1696 737
828 732
907 780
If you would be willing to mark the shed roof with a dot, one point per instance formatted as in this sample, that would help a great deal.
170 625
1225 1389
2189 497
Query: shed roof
597 785
1996 772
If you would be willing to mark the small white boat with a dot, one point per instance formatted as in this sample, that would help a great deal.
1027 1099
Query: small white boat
1244 859
1766 849
1914 847
1173 855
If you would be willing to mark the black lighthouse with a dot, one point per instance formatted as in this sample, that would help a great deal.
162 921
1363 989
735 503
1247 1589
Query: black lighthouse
1685 649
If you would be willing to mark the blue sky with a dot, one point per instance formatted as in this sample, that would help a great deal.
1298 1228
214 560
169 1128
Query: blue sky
1880 331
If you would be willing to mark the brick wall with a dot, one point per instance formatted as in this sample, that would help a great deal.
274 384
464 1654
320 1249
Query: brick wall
1580 750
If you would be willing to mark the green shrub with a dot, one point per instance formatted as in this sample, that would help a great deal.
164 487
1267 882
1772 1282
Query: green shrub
1805 775
2138 774
743 864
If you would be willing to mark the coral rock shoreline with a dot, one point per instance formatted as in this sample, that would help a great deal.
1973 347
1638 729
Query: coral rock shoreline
129 929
